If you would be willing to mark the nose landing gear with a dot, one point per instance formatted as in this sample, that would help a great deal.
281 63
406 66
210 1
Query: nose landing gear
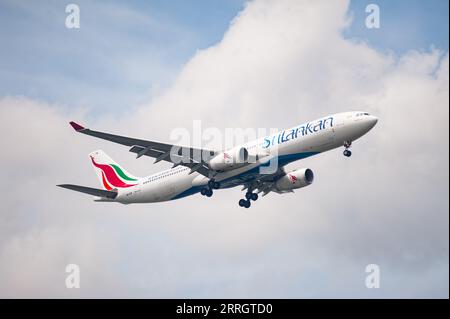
347 145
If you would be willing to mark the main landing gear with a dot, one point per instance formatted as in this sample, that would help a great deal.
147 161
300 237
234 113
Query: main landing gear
212 184
249 197
206 192
347 152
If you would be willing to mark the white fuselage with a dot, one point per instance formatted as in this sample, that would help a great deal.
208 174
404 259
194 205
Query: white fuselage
281 148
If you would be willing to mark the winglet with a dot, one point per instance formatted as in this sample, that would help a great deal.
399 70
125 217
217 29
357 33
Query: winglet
76 127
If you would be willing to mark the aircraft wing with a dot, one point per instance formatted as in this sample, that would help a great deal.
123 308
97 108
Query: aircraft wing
195 159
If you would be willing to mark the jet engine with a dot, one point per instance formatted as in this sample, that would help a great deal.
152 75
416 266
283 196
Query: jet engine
295 179
231 159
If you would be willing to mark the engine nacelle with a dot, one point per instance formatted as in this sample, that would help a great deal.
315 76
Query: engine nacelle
231 159
295 179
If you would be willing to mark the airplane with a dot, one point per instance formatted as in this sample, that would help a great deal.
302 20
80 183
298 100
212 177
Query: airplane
258 166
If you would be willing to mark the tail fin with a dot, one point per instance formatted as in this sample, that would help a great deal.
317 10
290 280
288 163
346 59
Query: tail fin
110 174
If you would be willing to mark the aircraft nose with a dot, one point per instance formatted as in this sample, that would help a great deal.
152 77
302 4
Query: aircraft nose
372 120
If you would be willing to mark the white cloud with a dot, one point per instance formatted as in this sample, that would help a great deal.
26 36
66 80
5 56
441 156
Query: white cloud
280 63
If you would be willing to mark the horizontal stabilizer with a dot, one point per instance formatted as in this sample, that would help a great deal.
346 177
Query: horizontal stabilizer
91 191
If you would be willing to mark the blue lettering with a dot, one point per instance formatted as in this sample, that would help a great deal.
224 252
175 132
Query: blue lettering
283 139
330 120
318 126
309 128
302 130
290 136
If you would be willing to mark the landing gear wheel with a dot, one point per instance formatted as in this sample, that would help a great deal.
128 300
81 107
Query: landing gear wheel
213 184
347 145
244 203
206 192
251 196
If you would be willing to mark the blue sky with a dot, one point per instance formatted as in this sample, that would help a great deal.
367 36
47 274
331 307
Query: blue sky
404 26
115 62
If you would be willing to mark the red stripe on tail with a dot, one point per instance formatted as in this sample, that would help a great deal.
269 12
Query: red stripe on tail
111 175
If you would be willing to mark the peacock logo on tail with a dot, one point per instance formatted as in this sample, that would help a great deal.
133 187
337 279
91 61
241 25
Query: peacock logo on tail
113 176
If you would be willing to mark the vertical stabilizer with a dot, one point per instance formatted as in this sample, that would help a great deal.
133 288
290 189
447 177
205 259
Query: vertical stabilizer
111 174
